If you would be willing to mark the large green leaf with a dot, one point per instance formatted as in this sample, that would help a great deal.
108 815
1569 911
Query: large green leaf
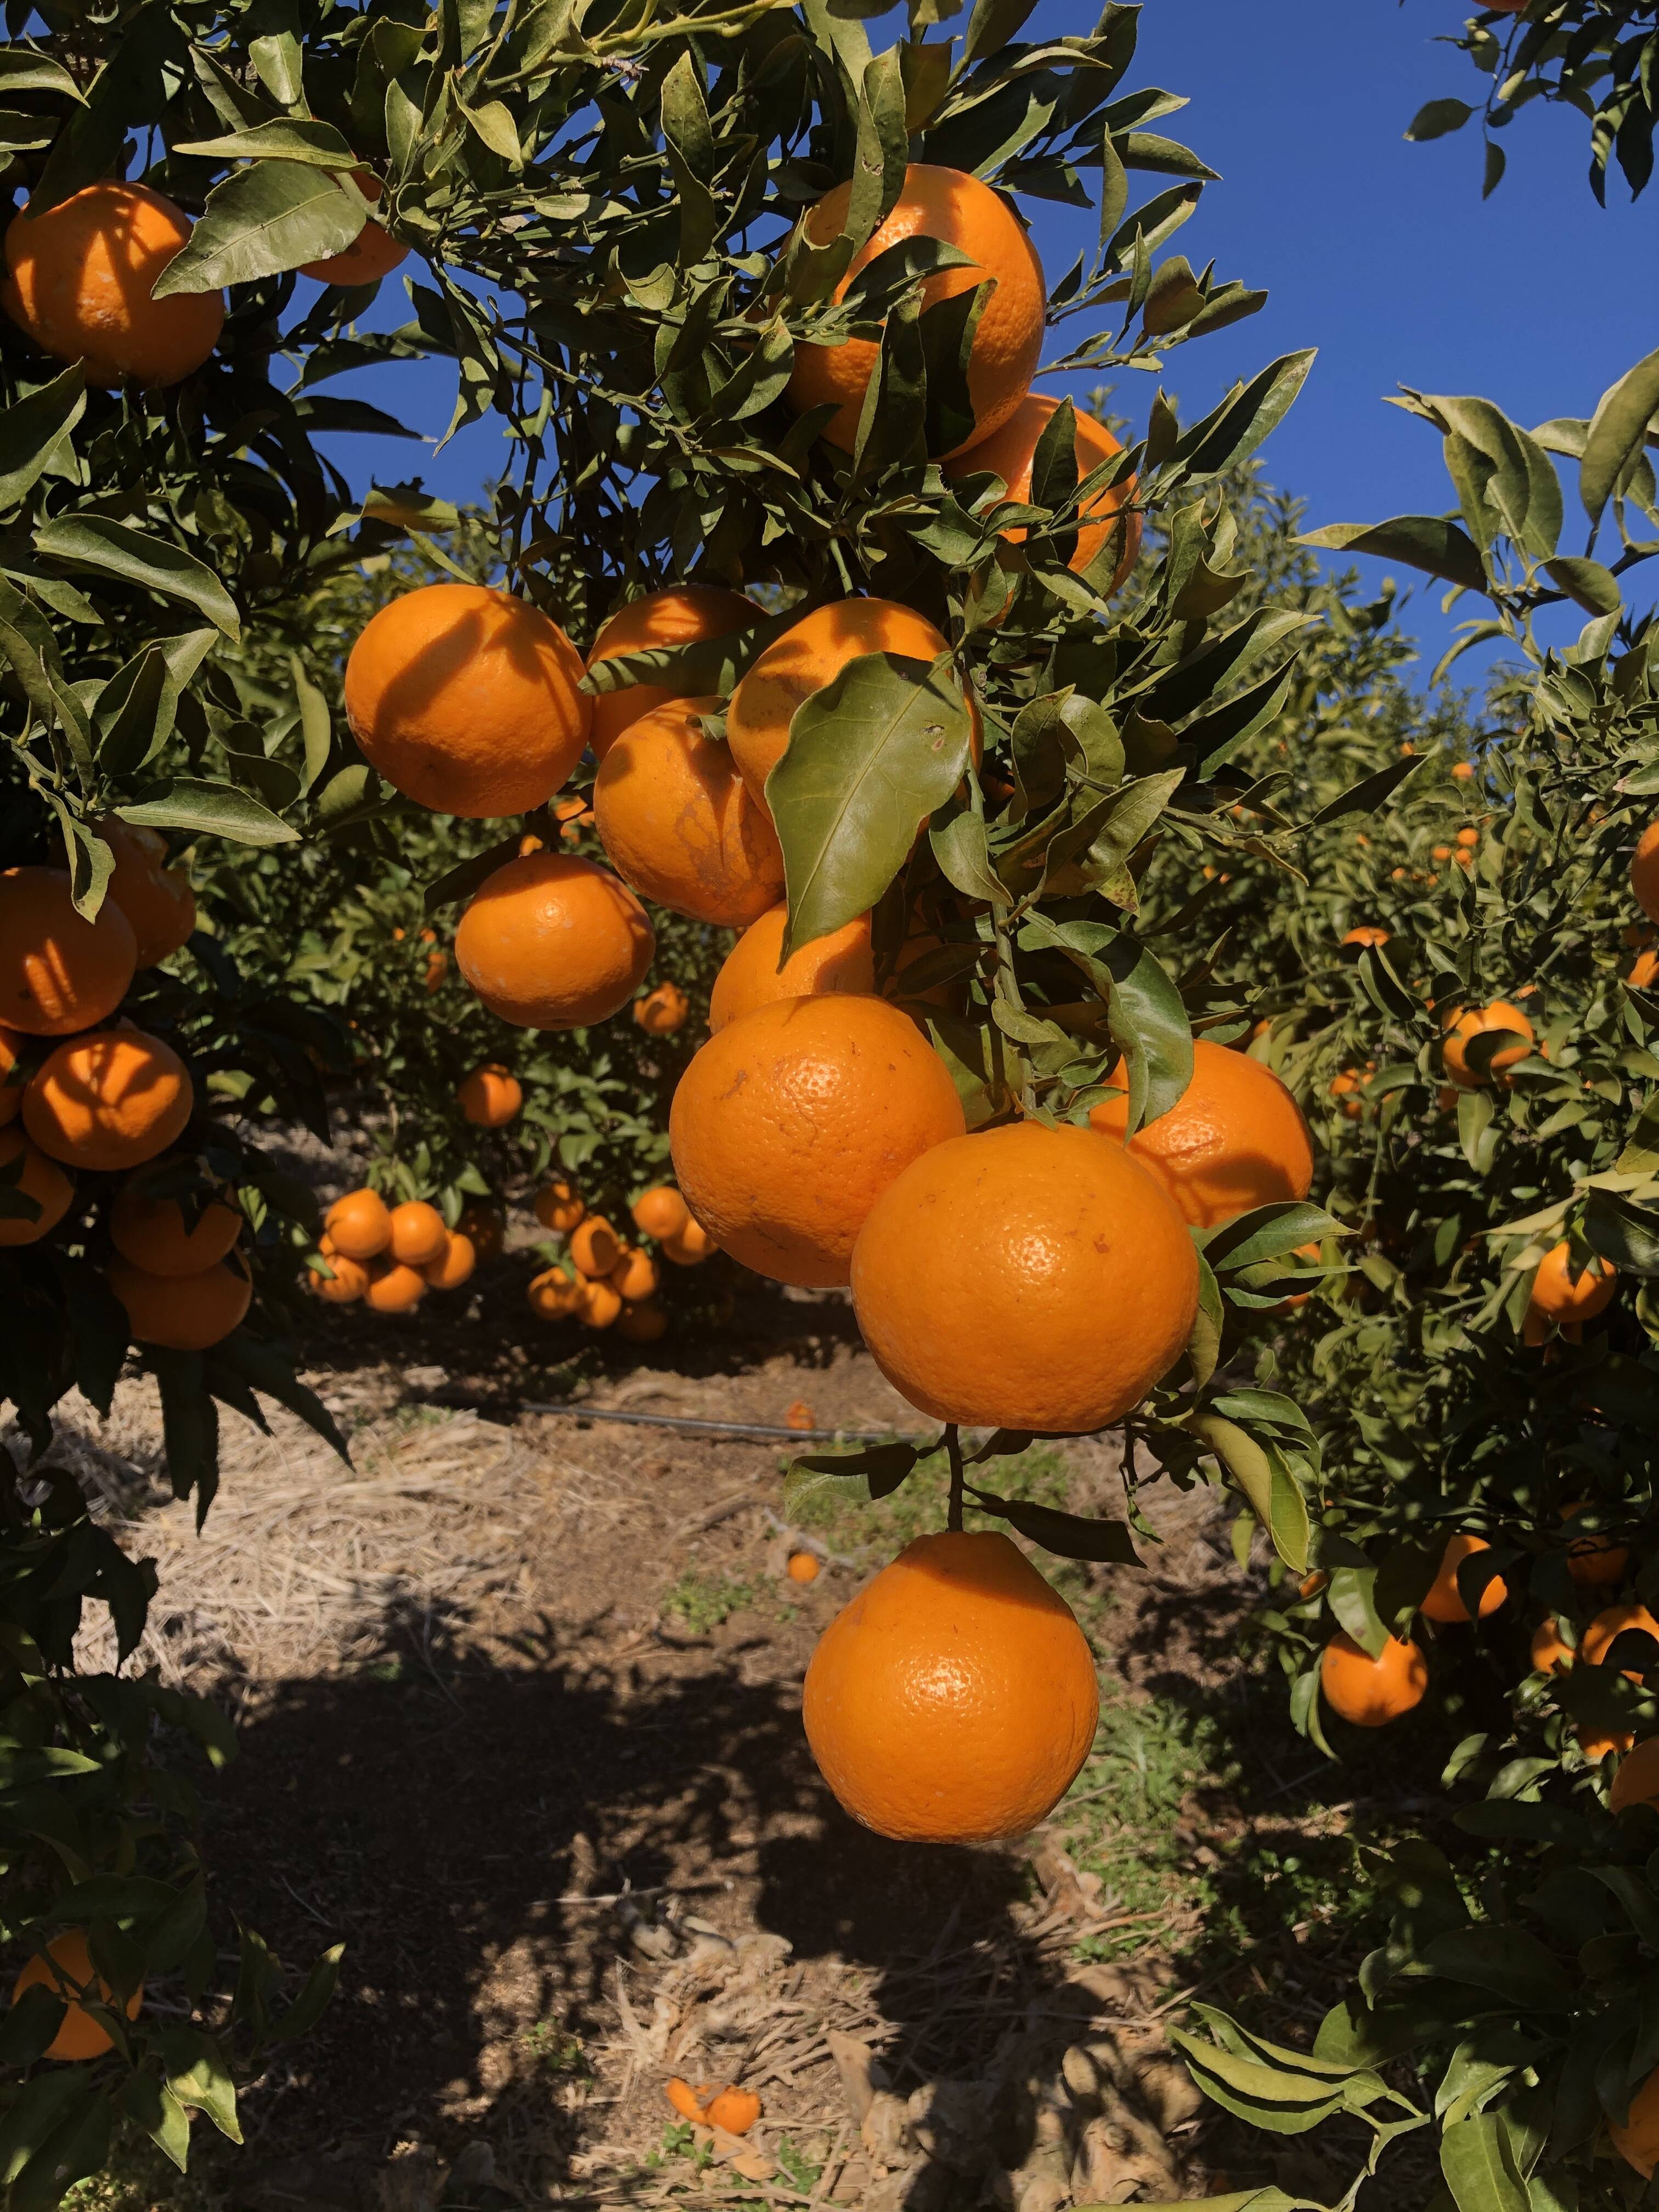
1478 2161
1617 434
1422 541
217 810
264 219
869 758
286 138
134 556
31 429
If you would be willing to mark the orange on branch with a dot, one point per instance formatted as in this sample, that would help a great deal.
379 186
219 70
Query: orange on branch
689 1246
1636 1782
1026 1278
1235 1139
600 1306
660 1212
790 1123
346 1282
1595 1562
1370 1691
60 972
1464 1025
81 274
680 825
182 1313
1444 1600
559 1206
418 1233
595 1246
1644 872
661 1012
954 1700
750 977
373 254
66 1969
394 1286
164 1235
113 1098
635 1277
38 1179
680 615
360 1223
1597 1639
454 1265
551 942
555 1296
157 899
1009 454
1557 1293
1549 1648
1636 2138
490 1097
464 699
950 205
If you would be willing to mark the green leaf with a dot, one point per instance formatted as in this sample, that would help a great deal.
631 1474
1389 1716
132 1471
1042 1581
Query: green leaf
262 221
870 756
1267 1232
878 1469
307 2008
1479 2164
285 138
1625 1233
1436 118
31 429
1618 432
1262 1475
1370 792
1422 541
1587 583
1068 1535
217 810
1508 1961
198 2077
134 556
1231 433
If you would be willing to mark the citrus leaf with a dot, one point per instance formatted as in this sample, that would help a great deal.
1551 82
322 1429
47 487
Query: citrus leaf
261 220
1617 434
114 548
285 138
1422 541
217 810
31 429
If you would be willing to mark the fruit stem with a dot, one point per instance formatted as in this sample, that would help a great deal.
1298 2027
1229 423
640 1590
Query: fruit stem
953 1448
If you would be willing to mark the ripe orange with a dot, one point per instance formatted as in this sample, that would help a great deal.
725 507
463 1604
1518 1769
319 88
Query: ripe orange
1644 872
954 1700
1346 1087
1235 1137
1463 771
66 1969
600 1307
1594 1562
660 1212
60 972
82 276
464 698
1009 454
1597 1639
950 205
680 825
1463 1026
1370 1691
11 1082
164 1236
595 1246
1636 2138
691 1246
558 1207
1555 1293
551 942
751 977
790 1123
184 1313
454 1265
554 1296
113 1099
635 1277
360 1223
157 899
661 1012
680 616
484 1226
345 1286
419 1235
1367 934
733 2108
39 1179
643 1323
1444 1602
1642 975
490 1097
803 1567
1596 1746
373 254
807 658
1024 1278
1636 1782
394 1287
1468 839
1549 1650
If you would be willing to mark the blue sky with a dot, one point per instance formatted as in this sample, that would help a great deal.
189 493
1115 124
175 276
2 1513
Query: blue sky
1380 253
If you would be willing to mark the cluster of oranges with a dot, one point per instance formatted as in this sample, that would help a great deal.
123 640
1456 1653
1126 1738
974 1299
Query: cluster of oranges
611 1284
97 1097
389 1256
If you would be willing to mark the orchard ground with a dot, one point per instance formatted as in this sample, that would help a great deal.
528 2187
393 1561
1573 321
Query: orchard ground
518 1703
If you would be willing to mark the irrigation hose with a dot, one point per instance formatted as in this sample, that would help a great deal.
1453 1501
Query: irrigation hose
729 1428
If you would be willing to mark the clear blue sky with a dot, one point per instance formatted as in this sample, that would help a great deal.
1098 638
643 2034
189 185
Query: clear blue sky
1380 253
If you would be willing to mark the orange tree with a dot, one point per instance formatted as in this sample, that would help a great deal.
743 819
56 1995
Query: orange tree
1466 997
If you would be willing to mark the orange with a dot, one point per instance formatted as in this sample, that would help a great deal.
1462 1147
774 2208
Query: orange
691 1246
950 205
954 1700
1596 1746
1444 1600
660 1212
1464 1027
686 2101
1370 1691
1235 1137
490 1097
751 977
1555 1292
1549 1650
558 1207
1594 1562
373 254
680 825
595 1246
39 1179
11 1082
1468 839
82 276
789 1124
1344 1087
551 942
345 1286
66 1969
157 899
465 699
798 1414
803 1567
394 1287
1009 454
1644 872
643 1323
419 1235
680 616
1642 975
486 1229
600 1307
1636 2138
454 1265
1597 1639
360 1223
113 1099
60 972
807 658
554 1296
185 1313
1464 770
635 1277
661 1012
1636 1782
1024 1278
162 1235
1367 934
733 2108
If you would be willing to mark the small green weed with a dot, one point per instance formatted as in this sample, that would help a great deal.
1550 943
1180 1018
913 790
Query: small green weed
555 2048
703 1602
802 2173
